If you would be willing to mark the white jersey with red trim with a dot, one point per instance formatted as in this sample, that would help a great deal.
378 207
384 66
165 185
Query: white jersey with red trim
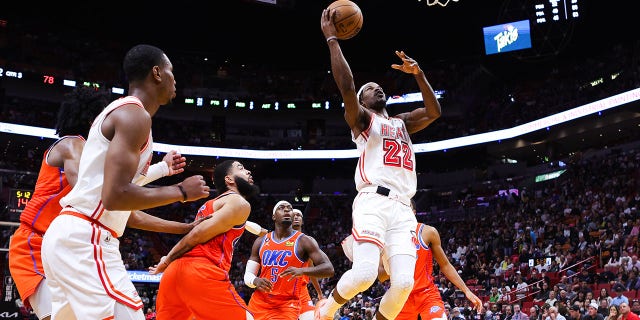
386 156
86 196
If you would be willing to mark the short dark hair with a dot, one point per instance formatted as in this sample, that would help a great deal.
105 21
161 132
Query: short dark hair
139 61
219 172
78 110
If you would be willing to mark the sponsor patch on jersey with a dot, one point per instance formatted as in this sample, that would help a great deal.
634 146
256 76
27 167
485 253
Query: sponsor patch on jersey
289 244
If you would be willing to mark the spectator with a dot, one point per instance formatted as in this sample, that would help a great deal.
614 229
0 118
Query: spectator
626 313
534 313
604 294
447 310
553 314
518 314
508 313
620 297
346 313
494 295
635 306
634 258
564 283
613 313
521 288
574 313
456 314
564 297
551 301
633 283
151 314
592 312
543 294
614 261
604 307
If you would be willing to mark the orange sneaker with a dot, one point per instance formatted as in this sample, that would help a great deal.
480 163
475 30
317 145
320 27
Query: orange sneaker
316 312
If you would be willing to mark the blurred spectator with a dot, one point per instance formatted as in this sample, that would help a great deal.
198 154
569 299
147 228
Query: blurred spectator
619 297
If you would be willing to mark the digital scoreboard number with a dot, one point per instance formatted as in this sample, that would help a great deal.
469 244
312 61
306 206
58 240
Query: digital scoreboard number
550 11
18 199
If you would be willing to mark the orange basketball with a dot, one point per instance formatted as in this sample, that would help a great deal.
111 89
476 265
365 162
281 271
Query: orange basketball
348 18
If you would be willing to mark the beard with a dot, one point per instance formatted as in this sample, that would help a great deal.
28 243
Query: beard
245 189
379 105
286 223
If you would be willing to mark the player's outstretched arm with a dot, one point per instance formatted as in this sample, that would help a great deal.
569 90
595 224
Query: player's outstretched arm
431 236
420 118
144 221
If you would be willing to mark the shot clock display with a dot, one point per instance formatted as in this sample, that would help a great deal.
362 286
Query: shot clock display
18 199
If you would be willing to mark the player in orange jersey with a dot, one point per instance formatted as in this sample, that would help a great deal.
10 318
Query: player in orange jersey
425 300
196 282
280 258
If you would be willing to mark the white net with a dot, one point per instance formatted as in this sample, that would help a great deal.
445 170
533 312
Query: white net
442 3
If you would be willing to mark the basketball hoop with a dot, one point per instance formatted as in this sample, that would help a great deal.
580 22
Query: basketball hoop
442 3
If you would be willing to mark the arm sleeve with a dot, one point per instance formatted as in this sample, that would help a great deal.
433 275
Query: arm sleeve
253 227
250 273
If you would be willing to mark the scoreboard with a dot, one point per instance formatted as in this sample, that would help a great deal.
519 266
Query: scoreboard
547 11
18 199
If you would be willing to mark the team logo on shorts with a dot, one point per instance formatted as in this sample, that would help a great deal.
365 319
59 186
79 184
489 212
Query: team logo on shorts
434 309
371 233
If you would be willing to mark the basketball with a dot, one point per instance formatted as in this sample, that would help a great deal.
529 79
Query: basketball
348 18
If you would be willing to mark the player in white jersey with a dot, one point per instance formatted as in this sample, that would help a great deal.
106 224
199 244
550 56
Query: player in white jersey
80 253
385 179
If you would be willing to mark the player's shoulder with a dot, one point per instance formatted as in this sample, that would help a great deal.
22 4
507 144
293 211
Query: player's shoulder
305 238
428 230
233 200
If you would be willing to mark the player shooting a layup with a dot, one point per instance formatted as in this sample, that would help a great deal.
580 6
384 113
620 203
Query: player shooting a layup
385 179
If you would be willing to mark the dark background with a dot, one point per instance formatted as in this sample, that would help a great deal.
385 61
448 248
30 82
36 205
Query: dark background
288 35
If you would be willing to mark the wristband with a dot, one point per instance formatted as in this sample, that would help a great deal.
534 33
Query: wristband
155 172
184 194
332 38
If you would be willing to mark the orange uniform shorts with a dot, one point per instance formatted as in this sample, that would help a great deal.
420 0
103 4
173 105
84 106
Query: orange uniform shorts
427 304
194 287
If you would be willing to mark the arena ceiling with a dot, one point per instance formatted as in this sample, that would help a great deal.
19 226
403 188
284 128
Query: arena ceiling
287 35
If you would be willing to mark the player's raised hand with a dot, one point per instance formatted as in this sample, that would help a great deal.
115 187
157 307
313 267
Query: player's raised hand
408 64
326 23
175 161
